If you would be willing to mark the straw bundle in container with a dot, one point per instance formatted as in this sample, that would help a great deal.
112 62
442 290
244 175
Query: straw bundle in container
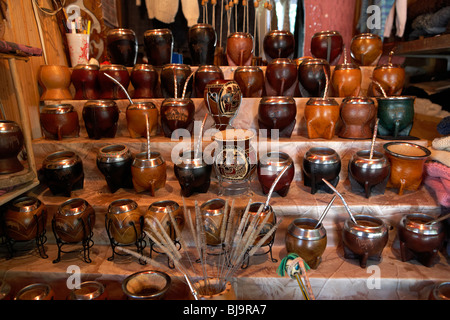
238 237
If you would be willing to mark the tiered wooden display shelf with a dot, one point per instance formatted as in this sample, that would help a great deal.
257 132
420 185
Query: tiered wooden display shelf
335 278
14 184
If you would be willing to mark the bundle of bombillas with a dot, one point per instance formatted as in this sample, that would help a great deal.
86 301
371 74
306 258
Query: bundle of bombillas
240 238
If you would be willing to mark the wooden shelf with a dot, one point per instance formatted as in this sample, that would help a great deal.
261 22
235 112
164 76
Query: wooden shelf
21 182
437 45
336 277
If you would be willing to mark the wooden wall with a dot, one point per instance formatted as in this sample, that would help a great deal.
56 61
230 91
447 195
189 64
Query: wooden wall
22 28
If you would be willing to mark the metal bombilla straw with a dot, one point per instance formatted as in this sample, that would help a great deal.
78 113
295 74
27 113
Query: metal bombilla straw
438 219
147 125
380 87
375 129
343 200
183 94
324 213
191 287
147 120
327 83
121 86
272 187
200 136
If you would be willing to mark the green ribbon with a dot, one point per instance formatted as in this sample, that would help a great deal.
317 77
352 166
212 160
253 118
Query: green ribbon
281 270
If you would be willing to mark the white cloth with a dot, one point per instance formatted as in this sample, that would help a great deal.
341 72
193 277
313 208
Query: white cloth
165 11
286 20
441 156
400 9
442 143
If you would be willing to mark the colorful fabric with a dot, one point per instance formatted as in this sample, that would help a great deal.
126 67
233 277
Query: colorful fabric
437 177
443 126
19 49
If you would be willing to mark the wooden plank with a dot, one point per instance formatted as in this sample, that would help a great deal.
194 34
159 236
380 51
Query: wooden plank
439 44
12 56
24 30
4 198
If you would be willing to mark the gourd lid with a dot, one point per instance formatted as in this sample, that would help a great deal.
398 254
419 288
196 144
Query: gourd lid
279 61
37 291
122 206
201 26
277 100
143 66
278 32
213 207
141 106
309 61
157 31
210 68
73 207
176 66
275 159
113 153
347 66
254 208
242 35
121 31
366 35
416 222
113 67
362 159
9 126
234 135
100 103
327 32
89 67
357 100
188 160
396 98
442 291
248 69
303 228
88 290
58 108
366 227
163 206
142 161
317 101
406 150
25 204
388 66
322 155
61 159
136 284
